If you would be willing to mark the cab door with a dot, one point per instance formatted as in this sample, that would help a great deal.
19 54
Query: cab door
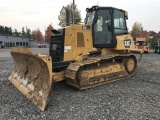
102 29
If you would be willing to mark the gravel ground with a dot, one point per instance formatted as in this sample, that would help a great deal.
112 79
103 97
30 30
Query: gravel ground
137 97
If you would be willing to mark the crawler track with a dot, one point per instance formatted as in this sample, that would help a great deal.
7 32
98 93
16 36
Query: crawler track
100 70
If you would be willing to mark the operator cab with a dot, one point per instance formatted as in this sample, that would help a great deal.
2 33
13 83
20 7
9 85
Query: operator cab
107 23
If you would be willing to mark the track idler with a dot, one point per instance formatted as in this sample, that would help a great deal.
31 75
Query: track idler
32 75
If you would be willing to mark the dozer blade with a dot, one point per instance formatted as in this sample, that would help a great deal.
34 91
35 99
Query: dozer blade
32 76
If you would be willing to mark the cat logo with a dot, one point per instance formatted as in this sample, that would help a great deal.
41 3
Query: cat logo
127 43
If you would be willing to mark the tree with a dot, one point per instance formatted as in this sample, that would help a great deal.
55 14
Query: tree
16 33
145 35
137 30
77 15
28 33
10 31
6 30
23 32
38 35
1 29
48 33
33 35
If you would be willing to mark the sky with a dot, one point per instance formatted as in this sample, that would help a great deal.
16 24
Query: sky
40 13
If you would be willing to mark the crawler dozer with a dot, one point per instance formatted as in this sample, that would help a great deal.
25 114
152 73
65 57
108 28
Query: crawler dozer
85 55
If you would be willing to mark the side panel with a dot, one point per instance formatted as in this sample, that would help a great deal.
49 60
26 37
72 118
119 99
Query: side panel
69 43
77 41
124 42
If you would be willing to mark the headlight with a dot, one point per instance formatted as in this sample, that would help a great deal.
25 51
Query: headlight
87 9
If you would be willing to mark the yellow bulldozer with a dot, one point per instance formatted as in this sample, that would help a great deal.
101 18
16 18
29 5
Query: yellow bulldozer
85 55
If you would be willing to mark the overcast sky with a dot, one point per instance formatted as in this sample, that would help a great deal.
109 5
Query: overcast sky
40 13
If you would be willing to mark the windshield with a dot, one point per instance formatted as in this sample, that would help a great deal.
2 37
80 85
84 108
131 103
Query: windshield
141 43
119 22
89 17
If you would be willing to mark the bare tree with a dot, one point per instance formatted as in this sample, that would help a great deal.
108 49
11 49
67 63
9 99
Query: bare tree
137 30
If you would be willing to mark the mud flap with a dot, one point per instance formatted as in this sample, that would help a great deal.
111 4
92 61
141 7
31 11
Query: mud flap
32 75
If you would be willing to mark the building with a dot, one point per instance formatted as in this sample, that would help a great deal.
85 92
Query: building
151 34
11 41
